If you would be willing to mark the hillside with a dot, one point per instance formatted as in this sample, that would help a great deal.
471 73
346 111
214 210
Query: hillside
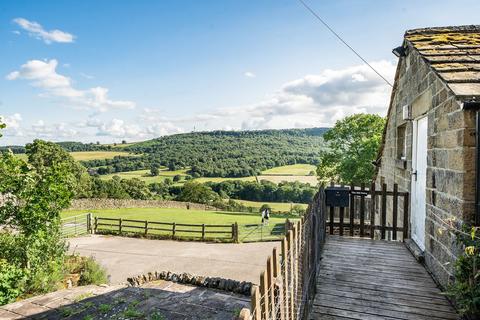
219 153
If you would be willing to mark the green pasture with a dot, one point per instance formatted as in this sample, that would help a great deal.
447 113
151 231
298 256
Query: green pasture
294 170
249 223
145 175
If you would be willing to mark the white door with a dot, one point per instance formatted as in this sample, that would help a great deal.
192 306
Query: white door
419 180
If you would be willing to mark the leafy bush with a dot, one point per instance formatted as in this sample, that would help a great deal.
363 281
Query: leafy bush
466 289
265 207
92 273
12 280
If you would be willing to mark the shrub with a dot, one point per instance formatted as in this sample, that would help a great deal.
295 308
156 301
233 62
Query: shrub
92 273
177 178
298 209
12 280
466 288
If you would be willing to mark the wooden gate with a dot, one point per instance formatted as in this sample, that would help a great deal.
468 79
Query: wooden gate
371 213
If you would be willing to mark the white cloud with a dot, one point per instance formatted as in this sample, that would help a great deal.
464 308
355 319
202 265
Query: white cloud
43 74
315 100
36 30
249 74
57 131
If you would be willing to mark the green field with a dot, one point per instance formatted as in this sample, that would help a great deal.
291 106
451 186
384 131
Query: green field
249 223
294 170
145 175
89 155
97 155
276 206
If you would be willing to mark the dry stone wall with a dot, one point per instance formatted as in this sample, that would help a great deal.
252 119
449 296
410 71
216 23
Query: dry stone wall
95 204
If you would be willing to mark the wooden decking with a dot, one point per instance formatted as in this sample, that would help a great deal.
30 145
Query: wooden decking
375 280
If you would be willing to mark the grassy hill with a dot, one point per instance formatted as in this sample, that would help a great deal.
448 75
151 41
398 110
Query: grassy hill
221 153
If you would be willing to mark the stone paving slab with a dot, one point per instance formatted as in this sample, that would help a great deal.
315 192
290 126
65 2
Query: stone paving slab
155 300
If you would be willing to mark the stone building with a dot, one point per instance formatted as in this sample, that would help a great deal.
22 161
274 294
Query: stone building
429 147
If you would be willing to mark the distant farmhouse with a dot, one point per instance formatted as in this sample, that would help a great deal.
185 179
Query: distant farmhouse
429 145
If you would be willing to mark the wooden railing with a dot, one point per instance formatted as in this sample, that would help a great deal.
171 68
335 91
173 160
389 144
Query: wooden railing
367 213
287 285
226 232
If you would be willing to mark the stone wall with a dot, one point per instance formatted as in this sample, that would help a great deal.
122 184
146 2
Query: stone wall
450 157
94 204
241 287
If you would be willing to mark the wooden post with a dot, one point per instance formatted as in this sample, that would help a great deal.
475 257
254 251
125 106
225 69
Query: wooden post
286 291
270 289
291 276
395 211
256 305
174 229
235 233
146 227
96 225
372 212
332 218
405 215
89 223
264 296
384 209
342 214
352 209
120 226
203 231
362 212
244 314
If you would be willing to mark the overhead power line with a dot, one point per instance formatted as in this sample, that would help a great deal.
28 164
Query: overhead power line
343 41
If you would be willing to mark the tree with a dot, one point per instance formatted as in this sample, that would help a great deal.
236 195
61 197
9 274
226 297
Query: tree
197 192
154 171
177 178
34 194
352 146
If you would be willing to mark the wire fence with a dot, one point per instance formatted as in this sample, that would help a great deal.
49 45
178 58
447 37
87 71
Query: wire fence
287 285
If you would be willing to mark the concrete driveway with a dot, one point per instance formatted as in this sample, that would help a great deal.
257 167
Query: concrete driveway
125 257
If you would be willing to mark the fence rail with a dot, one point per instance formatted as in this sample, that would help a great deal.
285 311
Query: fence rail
226 232
287 285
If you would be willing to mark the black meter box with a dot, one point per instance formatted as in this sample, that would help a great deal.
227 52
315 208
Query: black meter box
337 196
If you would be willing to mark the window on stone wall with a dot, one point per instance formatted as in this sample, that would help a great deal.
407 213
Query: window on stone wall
401 142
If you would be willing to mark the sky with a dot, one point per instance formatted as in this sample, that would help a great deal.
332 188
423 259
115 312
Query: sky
116 70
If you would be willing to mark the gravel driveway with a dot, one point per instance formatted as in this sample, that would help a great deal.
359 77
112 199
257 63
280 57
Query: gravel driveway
125 257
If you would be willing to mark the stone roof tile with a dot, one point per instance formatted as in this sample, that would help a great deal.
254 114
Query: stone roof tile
453 53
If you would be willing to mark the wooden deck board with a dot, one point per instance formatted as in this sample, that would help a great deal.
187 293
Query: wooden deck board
369 279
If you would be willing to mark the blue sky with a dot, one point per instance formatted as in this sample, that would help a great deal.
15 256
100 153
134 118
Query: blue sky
135 70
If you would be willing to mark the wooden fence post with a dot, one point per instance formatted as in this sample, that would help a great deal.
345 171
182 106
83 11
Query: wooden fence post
384 210
406 203
372 212
270 289
264 298
395 211
286 289
120 226
291 276
352 209
96 225
203 231
89 223
146 227
244 314
174 227
256 305
362 212
235 232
